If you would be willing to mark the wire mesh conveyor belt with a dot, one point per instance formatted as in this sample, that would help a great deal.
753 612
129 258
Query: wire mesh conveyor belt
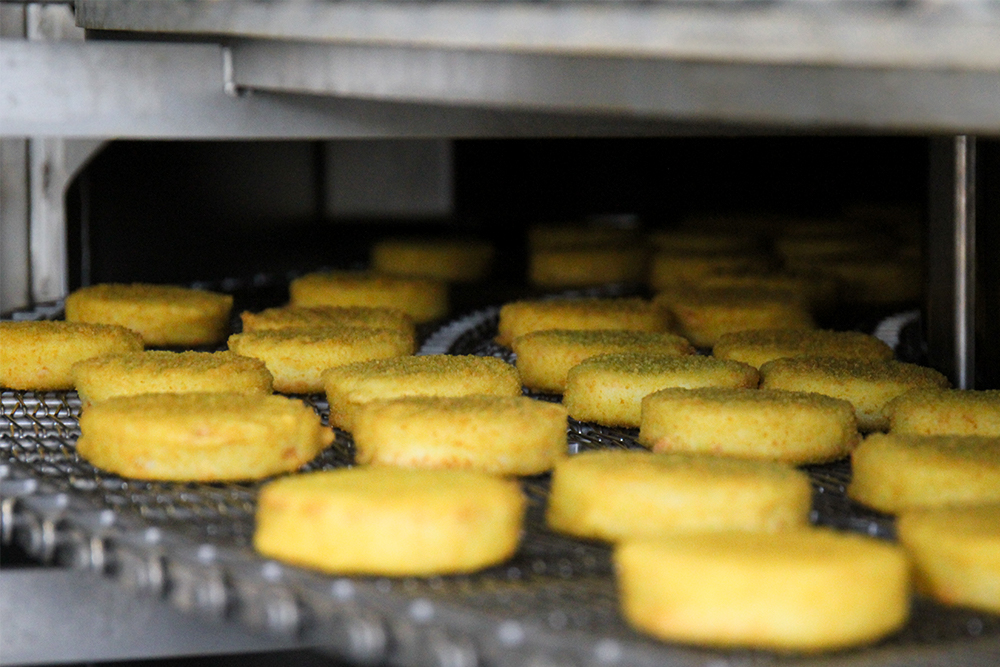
554 603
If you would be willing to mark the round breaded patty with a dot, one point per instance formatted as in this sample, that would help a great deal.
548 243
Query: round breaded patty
956 553
609 388
622 495
502 435
759 346
867 383
791 426
295 317
672 269
164 315
200 436
704 315
390 521
945 412
816 290
441 259
40 355
522 317
544 358
154 372
897 472
580 266
802 590
350 386
297 357
423 299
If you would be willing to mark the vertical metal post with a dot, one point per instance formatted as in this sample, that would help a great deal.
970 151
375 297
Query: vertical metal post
951 285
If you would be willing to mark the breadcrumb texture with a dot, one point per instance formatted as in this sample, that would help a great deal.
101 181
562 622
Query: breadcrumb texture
945 411
164 315
460 260
40 355
804 591
579 266
200 436
390 521
759 346
621 495
423 299
522 317
297 317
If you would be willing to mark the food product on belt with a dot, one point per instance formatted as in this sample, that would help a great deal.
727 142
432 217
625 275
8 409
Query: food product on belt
503 435
544 358
609 388
298 357
896 472
390 521
200 436
161 371
165 315
792 426
300 317
348 387
423 299
580 266
670 269
956 553
621 495
867 383
800 590
759 346
522 317
441 259
40 355
945 411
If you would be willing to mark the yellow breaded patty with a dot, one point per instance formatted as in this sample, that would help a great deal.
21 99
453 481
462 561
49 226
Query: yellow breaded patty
897 472
502 435
759 346
164 315
622 495
390 521
297 357
867 383
200 436
348 387
802 590
704 315
154 372
544 358
945 411
441 259
816 290
956 553
791 426
295 317
579 266
672 269
522 317
609 388
423 299
40 355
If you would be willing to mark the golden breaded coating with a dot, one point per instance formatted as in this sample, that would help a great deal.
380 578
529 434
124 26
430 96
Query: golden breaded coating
956 553
802 590
670 269
816 290
296 317
945 412
40 355
791 426
544 358
297 357
160 371
867 383
609 388
390 521
349 387
897 472
522 317
501 435
204 437
624 495
580 266
423 299
759 346
164 315
440 259
704 315
549 236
